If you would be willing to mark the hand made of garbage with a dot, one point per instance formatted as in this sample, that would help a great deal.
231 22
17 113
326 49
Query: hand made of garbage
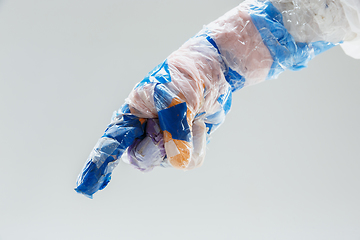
167 118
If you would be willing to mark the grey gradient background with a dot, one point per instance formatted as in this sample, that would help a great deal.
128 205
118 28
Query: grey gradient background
284 165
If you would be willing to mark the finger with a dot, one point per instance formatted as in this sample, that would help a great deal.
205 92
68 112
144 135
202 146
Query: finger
199 144
148 152
175 120
119 135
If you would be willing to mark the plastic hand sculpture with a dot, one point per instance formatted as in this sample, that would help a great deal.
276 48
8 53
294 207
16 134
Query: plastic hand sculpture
169 115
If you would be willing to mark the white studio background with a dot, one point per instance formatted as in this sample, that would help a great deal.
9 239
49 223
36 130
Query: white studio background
284 165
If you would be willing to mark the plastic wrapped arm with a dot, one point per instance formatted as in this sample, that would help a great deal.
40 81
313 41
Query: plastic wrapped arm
169 116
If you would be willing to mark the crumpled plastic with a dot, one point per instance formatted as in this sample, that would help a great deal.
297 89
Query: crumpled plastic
352 13
169 116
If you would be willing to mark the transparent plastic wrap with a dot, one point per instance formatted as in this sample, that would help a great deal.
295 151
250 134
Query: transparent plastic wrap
352 13
168 117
